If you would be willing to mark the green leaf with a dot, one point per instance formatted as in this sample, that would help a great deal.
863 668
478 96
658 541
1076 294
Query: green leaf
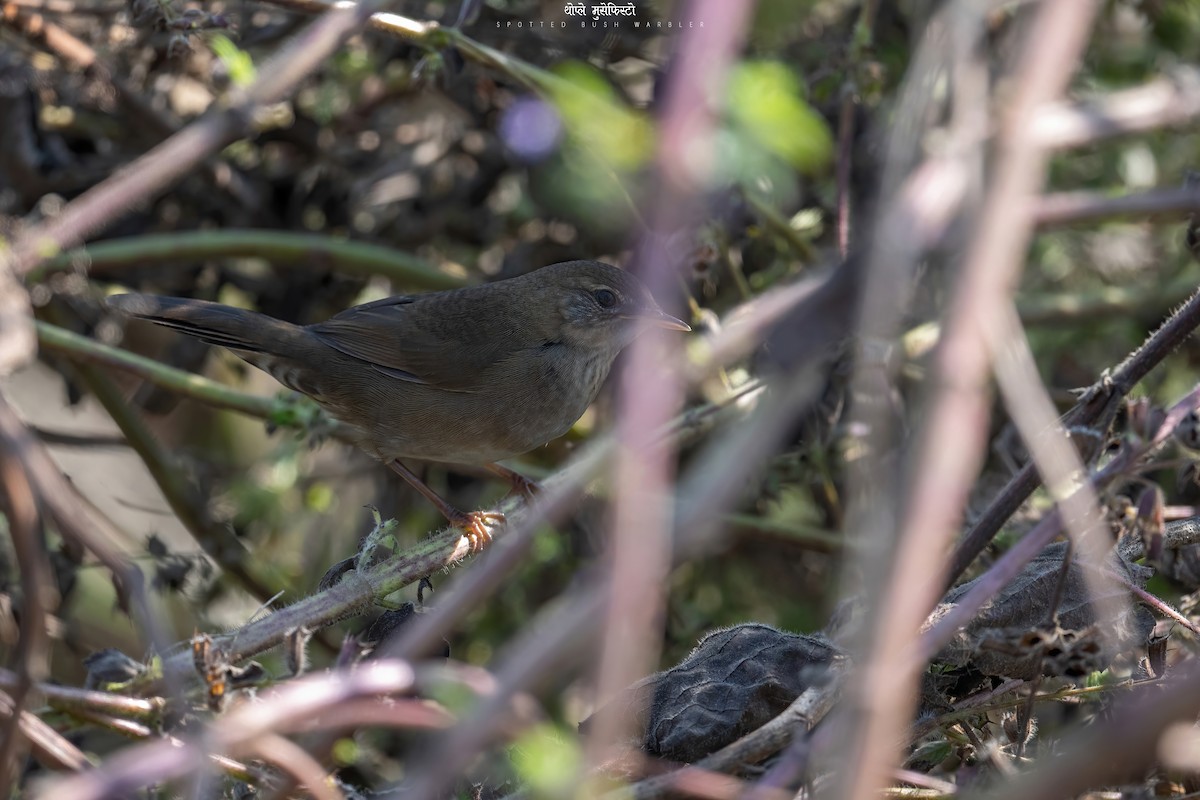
237 61
597 119
547 760
766 103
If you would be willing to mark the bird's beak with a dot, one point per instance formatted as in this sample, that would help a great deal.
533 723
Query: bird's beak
661 319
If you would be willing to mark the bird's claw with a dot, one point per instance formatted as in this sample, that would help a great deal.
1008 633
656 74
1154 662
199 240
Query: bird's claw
475 526
525 487
520 484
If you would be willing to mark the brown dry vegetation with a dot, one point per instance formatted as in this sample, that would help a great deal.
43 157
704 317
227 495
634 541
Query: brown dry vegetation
910 510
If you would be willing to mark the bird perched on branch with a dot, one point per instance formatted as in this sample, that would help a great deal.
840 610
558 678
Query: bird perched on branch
468 376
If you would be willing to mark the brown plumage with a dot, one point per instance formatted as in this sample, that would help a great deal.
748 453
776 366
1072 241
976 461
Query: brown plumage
470 375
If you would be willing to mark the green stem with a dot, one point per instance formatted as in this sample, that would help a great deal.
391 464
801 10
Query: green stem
804 535
535 78
80 349
1075 308
780 226
299 413
217 541
279 247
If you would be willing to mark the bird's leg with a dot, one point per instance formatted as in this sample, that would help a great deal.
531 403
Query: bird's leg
524 486
473 523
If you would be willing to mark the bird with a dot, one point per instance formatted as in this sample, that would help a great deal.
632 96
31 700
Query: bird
469 376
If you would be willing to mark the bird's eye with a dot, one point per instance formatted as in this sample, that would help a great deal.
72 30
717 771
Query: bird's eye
607 298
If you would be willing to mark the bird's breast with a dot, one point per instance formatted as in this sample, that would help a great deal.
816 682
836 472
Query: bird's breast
550 390
521 403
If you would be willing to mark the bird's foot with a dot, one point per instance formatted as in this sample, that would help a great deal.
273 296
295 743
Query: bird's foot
520 484
526 487
475 526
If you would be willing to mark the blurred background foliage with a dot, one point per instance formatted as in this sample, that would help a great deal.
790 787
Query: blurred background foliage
465 168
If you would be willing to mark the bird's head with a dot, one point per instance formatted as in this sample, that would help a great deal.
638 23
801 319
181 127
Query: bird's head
601 307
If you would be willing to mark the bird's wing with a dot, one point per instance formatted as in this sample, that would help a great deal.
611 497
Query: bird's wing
412 339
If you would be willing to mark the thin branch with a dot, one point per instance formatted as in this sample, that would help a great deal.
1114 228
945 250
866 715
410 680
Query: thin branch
47 744
355 595
69 699
687 780
1094 410
434 36
298 764
177 156
148 120
1162 103
82 526
291 411
860 43
1117 751
163 250
781 227
1069 208
557 498
217 541
358 592
643 470
1049 444
1009 565
37 587
1088 306
297 703
949 447
561 639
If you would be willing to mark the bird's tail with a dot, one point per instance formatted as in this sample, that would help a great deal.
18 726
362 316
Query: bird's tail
246 332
